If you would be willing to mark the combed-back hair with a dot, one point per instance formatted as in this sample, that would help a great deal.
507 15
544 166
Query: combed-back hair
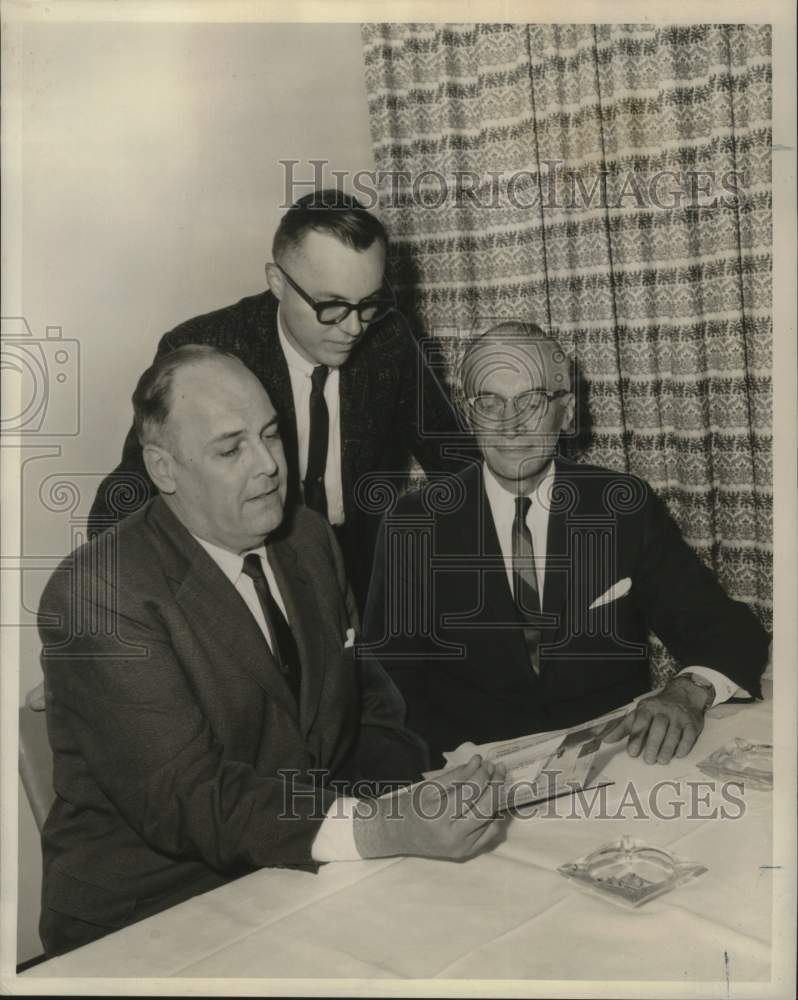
503 333
152 397
328 210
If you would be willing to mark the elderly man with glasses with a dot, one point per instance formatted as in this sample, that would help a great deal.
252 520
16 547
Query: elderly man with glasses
338 361
519 596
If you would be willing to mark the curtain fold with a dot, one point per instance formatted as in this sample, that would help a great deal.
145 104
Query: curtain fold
613 184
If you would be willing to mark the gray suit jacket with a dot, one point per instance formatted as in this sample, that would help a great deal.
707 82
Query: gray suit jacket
170 722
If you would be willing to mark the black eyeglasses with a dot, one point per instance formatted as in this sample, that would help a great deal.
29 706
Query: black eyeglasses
333 311
533 404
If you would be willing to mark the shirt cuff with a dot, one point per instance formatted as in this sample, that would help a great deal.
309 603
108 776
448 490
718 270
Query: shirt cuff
724 688
335 840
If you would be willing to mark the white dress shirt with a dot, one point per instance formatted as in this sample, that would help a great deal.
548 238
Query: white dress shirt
335 840
300 371
502 507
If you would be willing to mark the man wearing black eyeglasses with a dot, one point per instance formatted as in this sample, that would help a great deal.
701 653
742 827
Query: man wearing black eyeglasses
338 361
521 600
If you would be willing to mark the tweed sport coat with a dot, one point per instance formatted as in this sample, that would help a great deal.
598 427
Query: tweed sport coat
392 408
170 721
456 649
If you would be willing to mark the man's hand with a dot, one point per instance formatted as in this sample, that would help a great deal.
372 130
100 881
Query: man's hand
451 816
665 724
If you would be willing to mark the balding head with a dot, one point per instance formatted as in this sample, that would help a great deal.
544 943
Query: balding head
154 393
517 387
212 446
516 347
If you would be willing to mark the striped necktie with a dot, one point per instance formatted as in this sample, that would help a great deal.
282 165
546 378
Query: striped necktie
525 581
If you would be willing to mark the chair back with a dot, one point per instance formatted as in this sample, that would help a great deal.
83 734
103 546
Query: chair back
36 759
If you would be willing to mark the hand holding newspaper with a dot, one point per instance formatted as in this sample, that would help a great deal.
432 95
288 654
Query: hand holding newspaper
543 765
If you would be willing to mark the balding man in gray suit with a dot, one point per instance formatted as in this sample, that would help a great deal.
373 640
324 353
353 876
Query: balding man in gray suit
202 683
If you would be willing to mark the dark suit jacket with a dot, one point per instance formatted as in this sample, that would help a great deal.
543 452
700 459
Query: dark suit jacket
170 722
383 387
445 625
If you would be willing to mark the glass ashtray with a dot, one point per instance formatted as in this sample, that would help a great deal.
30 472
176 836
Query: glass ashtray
741 760
631 872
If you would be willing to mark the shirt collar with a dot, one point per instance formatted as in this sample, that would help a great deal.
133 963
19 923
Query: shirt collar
292 355
230 563
500 499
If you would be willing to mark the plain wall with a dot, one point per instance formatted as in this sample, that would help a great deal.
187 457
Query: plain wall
151 188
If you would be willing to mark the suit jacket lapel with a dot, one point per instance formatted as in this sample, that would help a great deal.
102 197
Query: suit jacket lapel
357 421
499 603
304 617
498 608
558 565
277 381
216 610
498 598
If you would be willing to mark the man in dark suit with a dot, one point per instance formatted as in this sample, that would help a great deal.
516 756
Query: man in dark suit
518 595
338 361
203 701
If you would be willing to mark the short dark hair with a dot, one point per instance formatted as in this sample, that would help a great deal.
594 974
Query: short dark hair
152 397
328 210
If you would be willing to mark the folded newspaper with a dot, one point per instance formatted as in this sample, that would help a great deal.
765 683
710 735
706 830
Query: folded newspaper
543 765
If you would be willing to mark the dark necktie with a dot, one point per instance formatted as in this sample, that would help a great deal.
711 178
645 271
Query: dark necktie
525 581
315 497
283 644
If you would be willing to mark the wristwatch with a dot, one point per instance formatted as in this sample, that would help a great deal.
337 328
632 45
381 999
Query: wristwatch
704 684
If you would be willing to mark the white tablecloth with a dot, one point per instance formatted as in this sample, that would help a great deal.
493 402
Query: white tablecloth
505 915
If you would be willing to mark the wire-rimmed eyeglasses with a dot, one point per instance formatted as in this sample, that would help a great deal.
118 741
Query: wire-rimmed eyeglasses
333 311
533 404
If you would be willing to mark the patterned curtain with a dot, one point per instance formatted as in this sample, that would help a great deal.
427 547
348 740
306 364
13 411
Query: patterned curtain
612 183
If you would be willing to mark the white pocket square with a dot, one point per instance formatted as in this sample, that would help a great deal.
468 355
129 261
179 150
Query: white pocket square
619 589
350 638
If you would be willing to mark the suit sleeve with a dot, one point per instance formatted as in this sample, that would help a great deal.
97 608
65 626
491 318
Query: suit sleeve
689 610
134 721
402 654
386 752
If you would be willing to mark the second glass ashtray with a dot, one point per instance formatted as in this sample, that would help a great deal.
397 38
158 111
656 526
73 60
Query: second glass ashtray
741 760
631 872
